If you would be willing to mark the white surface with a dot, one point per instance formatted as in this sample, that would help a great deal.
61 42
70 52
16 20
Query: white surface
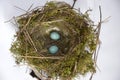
108 60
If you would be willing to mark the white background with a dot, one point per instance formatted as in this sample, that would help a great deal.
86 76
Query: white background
108 60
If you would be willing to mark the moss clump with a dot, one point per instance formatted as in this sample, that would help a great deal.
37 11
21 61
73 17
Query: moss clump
77 44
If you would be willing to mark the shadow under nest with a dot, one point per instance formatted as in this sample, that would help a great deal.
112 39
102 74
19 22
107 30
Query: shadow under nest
77 44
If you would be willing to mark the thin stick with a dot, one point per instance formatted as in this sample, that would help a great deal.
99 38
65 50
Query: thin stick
26 51
15 21
106 19
91 76
8 20
30 7
26 36
99 28
31 40
73 4
99 25
98 34
24 26
20 8
41 57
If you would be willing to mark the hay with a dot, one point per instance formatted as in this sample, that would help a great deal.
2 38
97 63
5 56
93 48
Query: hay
77 44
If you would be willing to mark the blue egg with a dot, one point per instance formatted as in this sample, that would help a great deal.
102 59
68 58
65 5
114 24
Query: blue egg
53 49
54 35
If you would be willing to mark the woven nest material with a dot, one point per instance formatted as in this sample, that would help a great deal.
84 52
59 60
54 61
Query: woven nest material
77 44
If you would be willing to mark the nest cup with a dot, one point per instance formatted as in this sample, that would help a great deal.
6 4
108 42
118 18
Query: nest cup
56 39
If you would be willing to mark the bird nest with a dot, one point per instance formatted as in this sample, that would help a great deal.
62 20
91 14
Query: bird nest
57 39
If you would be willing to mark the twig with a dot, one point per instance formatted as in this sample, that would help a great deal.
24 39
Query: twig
21 9
97 52
75 67
31 41
26 50
30 8
88 11
15 21
41 57
91 76
98 33
26 36
106 19
24 26
73 4
97 41
8 20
